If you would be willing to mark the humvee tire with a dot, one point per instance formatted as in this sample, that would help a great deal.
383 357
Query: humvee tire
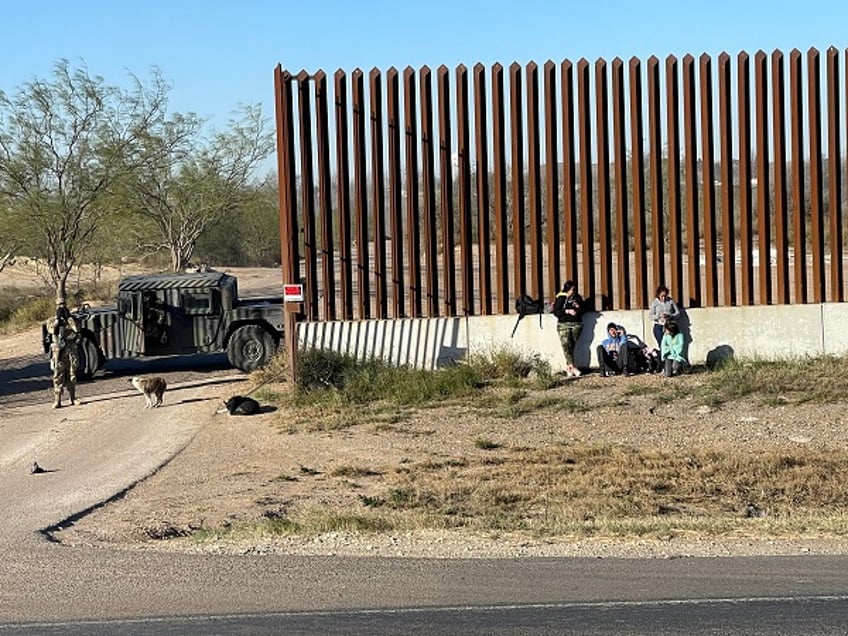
250 347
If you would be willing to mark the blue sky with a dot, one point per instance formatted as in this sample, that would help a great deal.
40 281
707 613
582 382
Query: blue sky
220 54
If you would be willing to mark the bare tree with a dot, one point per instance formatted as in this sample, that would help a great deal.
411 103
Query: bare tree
64 142
7 256
189 181
10 242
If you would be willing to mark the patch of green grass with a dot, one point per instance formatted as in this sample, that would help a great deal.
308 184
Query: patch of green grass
329 377
383 427
484 443
513 408
354 471
513 369
312 522
327 414
371 502
673 391
500 363
635 389
795 380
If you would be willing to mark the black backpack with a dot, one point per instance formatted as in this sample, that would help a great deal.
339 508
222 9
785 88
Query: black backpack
642 358
526 306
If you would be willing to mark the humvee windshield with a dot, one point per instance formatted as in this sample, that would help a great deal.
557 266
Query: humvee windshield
197 303
125 306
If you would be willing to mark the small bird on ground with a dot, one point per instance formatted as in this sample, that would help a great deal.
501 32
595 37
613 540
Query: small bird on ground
36 468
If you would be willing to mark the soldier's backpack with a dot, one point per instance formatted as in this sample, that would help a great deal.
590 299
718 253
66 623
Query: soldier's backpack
527 306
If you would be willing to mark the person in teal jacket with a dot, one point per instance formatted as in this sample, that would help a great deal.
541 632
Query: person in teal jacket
672 349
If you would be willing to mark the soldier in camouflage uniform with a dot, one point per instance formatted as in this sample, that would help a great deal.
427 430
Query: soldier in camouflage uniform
63 334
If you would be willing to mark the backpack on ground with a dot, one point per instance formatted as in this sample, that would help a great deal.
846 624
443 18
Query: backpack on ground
526 305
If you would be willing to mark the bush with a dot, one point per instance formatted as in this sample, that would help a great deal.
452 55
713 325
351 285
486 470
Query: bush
319 369
17 315
353 381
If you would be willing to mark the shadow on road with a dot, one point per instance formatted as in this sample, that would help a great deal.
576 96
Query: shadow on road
168 364
130 392
24 375
26 380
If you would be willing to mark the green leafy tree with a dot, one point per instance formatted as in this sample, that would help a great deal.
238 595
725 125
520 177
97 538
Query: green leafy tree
64 142
249 237
260 224
189 181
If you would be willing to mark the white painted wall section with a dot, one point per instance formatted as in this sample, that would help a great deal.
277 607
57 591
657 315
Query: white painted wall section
764 332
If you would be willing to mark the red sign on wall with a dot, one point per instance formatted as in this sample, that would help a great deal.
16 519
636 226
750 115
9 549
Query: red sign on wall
293 293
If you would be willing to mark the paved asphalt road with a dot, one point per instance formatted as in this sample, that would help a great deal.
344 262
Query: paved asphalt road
47 588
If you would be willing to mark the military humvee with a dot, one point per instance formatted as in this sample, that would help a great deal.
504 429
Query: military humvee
179 314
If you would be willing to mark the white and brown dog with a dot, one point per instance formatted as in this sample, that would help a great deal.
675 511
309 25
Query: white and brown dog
152 388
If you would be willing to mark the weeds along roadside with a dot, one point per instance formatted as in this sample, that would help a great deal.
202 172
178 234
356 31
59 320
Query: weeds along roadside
21 308
560 488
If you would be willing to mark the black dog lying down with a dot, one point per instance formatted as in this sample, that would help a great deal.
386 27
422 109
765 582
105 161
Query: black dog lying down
240 405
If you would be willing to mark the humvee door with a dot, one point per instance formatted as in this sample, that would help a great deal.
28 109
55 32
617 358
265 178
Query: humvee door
202 310
131 322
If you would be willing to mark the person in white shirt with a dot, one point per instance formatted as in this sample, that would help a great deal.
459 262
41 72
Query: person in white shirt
663 308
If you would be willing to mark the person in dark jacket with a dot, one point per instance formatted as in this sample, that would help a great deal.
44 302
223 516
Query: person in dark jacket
568 309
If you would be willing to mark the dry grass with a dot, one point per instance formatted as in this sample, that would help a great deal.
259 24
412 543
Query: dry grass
23 307
549 486
569 488
584 491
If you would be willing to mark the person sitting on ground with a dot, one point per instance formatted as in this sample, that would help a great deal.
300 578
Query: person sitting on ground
613 351
672 349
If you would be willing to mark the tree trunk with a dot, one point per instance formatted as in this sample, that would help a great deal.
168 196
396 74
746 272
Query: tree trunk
178 259
6 259
181 256
60 280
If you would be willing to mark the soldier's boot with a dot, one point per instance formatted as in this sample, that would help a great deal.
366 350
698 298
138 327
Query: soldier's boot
72 395
57 399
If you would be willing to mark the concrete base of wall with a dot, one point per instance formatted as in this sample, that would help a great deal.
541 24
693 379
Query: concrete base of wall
765 332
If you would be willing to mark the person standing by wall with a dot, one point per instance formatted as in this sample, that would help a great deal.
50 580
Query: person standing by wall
63 333
662 308
568 308
672 349
613 352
